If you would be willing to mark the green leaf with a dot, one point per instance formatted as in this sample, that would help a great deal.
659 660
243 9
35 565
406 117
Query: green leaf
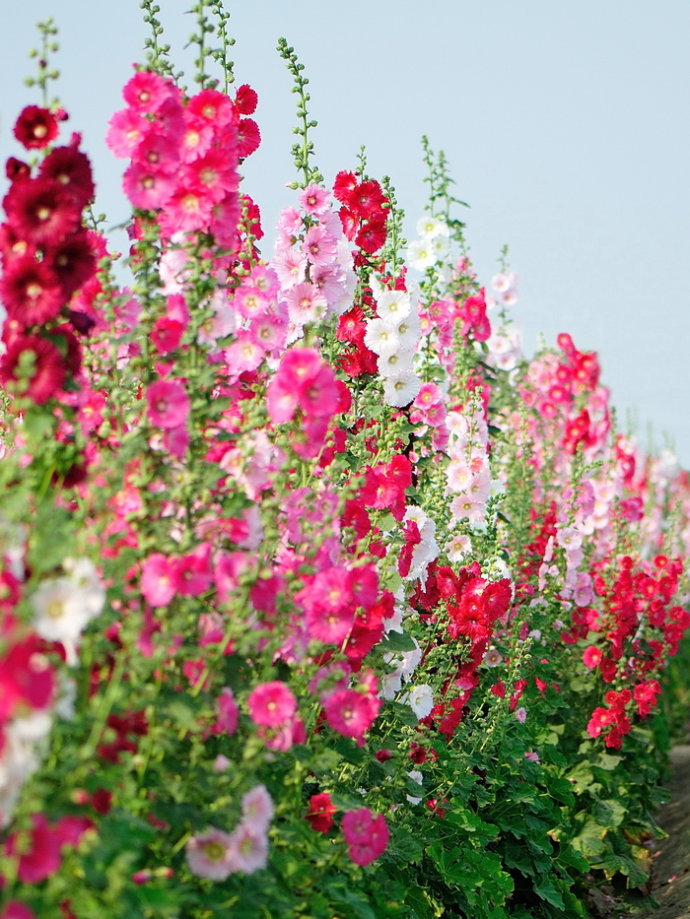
547 890
396 641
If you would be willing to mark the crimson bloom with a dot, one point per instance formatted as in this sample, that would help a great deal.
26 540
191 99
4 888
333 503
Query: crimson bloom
321 810
36 127
34 366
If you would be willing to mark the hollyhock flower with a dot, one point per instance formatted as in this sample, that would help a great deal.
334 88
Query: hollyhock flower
351 713
257 809
271 704
36 127
71 169
421 254
61 613
401 387
314 199
321 810
168 404
42 211
33 367
209 854
421 700
366 835
159 579
246 99
429 227
146 92
16 910
39 851
31 291
248 849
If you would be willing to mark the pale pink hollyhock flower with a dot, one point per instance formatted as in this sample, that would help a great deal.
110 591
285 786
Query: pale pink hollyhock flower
314 199
248 849
521 714
366 835
159 579
221 763
290 266
271 704
319 246
168 404
227 712
209 854
532 756
257 809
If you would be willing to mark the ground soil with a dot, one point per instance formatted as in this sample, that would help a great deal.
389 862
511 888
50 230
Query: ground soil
669 885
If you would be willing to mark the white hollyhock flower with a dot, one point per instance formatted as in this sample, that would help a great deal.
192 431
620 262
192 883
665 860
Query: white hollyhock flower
381 337
61 611
400 389
409 330
429 227
420 254
417 777
396 362
393 305
421 700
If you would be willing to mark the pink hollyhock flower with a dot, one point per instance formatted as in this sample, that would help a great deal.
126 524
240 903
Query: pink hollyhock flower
168 404
228 712
314 199
248 849
366 835
591 657
209 854
147 91
257 809
193 571
271 704
159 579
351 713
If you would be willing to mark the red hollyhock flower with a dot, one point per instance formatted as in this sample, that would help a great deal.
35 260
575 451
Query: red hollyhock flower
246 100
248 137
45 369
36 127
321 810
42 211
71 169
367 200
16 169
372 235
31 291
41 856
344 185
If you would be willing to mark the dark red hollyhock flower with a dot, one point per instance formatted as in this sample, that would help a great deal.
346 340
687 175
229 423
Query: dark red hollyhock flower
246 100
31 291
36 127
71 169
321 812
42 211
73 262
16 170
47 372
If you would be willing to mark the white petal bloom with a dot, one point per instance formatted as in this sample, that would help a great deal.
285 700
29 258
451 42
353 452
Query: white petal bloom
459 547
394 305
61 610
382 337
396 362
420 254
400 389
421 700
440 246
418 778
429 227
83 573
390 684
409 330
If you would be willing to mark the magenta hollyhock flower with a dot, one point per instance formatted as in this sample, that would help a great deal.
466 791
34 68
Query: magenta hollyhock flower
209 854
16 910
39 851
366 835
351 713
271 704
228 712
168 404
159 579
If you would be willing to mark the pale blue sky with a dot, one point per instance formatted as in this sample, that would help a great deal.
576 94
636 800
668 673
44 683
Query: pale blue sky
566 126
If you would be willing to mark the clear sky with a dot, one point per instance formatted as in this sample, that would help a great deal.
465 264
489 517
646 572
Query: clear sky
566 125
